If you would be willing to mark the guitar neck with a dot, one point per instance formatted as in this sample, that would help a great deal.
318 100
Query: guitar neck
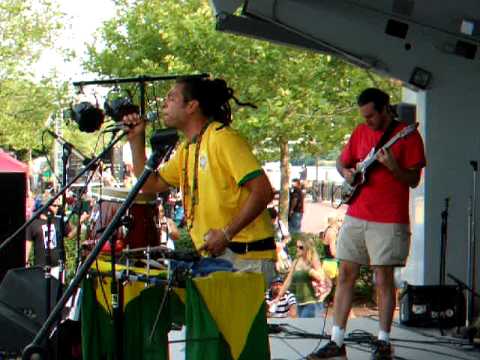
409 129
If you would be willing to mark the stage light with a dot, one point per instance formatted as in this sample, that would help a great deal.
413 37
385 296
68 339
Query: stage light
420 78
468 27
88 117
119 103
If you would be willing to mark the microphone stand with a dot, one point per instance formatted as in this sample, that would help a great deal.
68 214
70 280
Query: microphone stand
91 165
443 242
67 145
471 263
69 149
34 349
47 270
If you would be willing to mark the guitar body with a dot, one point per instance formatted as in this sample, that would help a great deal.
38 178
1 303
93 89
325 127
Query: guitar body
348 190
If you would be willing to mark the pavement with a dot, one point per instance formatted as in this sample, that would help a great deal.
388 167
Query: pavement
299 337
316 214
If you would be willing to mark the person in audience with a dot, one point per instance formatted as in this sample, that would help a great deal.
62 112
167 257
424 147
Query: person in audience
282 238
280 307
329 236
306 273
295 207
168 229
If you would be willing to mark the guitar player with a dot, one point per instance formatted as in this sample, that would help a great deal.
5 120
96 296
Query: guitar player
376 230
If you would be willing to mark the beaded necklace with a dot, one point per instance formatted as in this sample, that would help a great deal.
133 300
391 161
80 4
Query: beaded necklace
193 191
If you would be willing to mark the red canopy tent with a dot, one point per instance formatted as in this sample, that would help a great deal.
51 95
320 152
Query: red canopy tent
9 164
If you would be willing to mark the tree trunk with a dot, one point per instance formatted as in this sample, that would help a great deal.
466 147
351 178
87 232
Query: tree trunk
284 180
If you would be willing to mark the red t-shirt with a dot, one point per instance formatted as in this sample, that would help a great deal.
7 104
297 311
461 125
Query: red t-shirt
382 198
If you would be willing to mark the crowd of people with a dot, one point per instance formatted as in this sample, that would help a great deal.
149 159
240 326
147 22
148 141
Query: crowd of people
84 220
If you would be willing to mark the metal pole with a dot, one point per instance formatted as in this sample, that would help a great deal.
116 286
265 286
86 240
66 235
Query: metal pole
471 263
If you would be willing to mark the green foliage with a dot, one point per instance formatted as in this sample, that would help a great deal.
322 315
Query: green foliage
364 287
302 96
28 27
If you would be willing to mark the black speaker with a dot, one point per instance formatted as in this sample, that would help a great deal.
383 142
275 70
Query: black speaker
23 306
12 213
432 306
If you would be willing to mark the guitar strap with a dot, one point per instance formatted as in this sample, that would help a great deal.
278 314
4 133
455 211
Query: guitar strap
386 135
383 140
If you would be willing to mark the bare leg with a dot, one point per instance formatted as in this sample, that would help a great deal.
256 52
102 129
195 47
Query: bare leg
348 274
386 296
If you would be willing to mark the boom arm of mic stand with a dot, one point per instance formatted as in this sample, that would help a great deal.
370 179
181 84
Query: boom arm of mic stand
150 167
64 142
89 166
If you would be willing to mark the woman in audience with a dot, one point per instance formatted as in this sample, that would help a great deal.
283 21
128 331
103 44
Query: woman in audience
307 280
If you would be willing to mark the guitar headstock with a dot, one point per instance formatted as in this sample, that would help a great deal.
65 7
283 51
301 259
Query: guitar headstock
407 130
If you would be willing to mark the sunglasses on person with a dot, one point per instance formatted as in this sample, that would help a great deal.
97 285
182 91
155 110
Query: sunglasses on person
300 247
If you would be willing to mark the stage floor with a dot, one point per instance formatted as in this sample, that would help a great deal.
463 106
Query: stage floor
409 343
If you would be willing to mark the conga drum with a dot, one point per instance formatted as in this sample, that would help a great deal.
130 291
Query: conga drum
140 226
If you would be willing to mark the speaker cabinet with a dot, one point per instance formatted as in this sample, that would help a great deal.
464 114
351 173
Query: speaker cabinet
432 306
23 306
12 215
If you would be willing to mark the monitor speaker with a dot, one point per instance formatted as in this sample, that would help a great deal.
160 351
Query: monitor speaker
432 306
23 305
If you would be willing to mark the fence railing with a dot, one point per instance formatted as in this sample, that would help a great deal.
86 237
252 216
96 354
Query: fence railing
325 191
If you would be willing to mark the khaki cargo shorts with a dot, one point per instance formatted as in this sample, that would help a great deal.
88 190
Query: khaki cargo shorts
372 243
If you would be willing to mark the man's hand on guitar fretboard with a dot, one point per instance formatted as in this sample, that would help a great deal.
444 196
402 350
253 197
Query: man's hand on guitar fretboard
386 158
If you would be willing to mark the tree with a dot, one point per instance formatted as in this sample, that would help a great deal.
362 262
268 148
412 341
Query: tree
27 27
302 96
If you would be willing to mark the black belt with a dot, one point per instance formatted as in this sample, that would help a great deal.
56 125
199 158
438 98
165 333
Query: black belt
259 245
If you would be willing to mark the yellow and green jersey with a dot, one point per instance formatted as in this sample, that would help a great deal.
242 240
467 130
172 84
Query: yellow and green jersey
225 163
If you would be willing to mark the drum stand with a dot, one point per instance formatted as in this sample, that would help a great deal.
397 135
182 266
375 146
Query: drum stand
34 350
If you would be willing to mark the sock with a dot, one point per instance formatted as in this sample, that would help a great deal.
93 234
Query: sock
384 336
338 335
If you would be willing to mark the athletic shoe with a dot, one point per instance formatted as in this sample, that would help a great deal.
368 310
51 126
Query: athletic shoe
382 351
329 351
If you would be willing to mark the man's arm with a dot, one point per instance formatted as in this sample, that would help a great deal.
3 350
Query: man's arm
261 194
292 311
136 137
411 177
293 204
173 229
346 172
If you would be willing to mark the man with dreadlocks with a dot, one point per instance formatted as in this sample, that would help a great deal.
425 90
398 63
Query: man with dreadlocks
225 191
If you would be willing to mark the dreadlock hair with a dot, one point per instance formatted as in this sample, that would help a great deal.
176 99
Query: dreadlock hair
213 96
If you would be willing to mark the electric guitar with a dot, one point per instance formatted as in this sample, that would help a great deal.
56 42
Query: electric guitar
349 190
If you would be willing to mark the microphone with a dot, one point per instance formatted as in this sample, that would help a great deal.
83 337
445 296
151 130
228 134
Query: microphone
118 127
164 140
